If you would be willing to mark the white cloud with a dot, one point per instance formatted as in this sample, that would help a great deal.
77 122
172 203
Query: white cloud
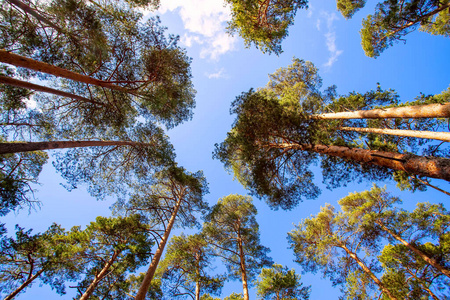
217 75
318 24
205 21
330 38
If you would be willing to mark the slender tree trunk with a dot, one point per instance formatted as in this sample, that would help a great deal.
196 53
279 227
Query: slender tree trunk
152 268
414 249
441 136
28 63
14 147
368 271
416 111
428 166
243 268
40 88
197 272
99 277
24 285
35 14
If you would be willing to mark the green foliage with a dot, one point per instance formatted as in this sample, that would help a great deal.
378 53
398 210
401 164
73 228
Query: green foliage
231 227
280 283
349 7
17 174
234 296
393 20
154 291
185 265
263 23
123 241
42 256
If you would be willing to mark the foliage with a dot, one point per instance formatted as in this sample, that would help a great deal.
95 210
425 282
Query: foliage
124 242
232 230
42 256
185 266
348 246
393 20
234 296
263 23
278 282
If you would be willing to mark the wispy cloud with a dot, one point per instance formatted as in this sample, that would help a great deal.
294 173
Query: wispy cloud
216 75
330 38
205 22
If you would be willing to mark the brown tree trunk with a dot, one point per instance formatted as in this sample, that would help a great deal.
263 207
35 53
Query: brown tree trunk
23 285
152 268
435 167
243 268
99 277
14 147
28 63
368 271
413 112
441 136
40 88
425 257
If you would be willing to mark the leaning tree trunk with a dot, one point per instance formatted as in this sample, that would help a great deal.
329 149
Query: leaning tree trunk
368 271
40 88
416 111
441 136
243 268
14 147
426 258
28 63
428 166
24 285
152 268
197 273
99 277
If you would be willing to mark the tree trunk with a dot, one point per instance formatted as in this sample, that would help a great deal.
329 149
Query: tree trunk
14 147
99 277
368 271
35 14
428 166
24 285
40 88
441 136
197 272
243 269
425 257
28 63
152 268
416 111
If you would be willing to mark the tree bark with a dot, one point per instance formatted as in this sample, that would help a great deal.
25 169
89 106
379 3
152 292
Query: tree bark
243 268
99 277
14 147
428 166
28 63
40 88
367 271
425 257
24 285
441 136
152 268
197 272
413 112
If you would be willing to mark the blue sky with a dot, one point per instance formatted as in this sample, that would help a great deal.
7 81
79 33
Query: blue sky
223 68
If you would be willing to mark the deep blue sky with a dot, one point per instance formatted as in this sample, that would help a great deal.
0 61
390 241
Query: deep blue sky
223 68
